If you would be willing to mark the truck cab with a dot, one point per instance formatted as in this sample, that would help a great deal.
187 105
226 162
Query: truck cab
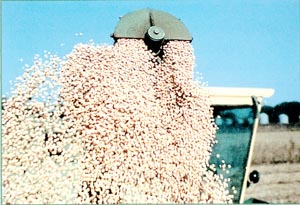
236 114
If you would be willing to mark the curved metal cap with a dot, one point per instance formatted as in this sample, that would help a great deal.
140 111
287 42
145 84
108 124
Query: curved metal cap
136 24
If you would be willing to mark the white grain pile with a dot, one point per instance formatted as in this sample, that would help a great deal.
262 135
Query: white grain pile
39 150
121 128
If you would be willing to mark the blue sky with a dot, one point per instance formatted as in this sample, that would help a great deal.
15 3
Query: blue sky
251 43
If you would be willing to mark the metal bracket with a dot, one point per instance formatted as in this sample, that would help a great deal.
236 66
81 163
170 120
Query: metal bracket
255 107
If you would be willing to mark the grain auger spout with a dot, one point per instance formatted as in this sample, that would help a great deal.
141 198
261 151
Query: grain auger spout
154 26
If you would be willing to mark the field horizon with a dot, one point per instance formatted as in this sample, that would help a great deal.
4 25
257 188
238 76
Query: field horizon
276 156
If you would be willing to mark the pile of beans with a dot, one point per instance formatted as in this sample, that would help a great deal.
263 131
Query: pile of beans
122 125
38 147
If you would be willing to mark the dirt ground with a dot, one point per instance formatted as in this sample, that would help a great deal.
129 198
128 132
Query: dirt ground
279 183
276 157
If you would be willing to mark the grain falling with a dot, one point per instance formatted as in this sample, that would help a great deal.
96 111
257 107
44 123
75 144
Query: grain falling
110 124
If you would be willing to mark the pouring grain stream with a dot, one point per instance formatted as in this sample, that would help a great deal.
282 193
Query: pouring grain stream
123 127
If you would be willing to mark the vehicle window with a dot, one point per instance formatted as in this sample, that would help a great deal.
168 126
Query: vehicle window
233 137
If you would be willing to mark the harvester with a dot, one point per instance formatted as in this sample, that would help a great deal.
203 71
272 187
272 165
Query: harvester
236 110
